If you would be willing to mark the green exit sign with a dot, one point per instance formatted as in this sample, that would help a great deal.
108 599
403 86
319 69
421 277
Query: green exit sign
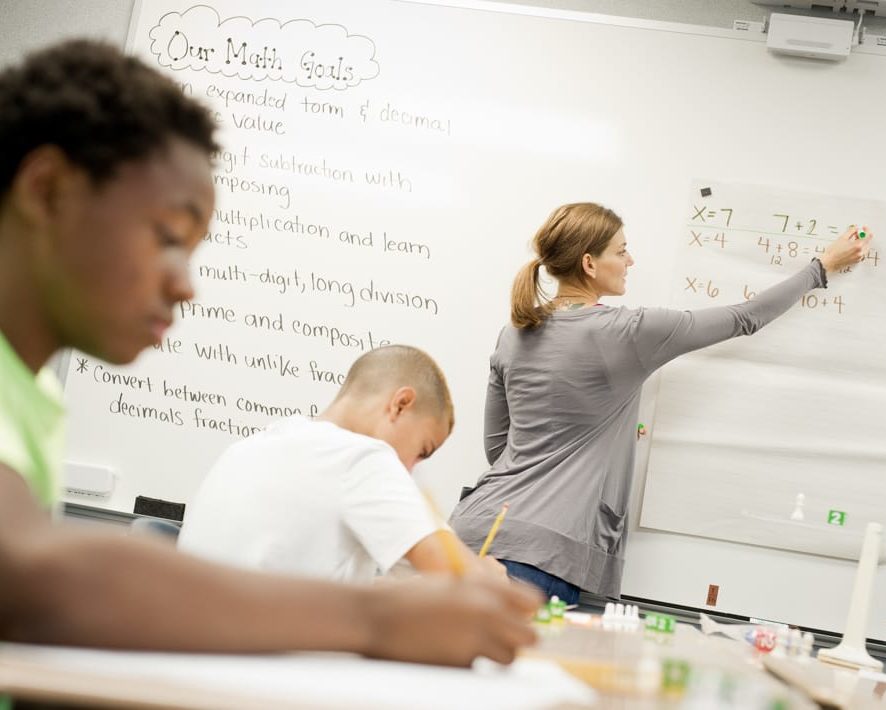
836 517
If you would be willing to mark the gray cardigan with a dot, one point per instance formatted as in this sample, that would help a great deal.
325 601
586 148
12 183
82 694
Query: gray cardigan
561 422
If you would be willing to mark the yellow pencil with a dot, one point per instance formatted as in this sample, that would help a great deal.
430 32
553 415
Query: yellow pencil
493 531
447 539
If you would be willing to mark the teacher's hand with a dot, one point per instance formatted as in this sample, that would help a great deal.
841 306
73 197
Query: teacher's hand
846 250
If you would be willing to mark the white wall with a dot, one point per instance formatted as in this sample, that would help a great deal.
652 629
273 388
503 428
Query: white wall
28 24
31 23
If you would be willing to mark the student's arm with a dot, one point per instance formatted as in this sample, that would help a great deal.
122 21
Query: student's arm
497 418
386 512
430 554
71 586
663 334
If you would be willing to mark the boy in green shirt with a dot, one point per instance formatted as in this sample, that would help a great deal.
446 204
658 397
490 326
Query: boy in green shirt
31 424
105 191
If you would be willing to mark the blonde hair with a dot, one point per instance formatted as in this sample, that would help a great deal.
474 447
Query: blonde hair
560 244
393 366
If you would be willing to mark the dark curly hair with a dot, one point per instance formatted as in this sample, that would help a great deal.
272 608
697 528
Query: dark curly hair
100 106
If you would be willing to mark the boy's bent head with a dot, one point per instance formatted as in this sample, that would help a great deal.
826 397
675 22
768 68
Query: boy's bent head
105 191
398 394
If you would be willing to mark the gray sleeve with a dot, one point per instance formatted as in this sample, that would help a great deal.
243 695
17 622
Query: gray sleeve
661 334
497 418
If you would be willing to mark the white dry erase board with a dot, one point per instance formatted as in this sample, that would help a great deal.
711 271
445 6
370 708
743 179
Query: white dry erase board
385 166
774 440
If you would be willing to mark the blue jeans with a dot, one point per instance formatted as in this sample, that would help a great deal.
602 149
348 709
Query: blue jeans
547 583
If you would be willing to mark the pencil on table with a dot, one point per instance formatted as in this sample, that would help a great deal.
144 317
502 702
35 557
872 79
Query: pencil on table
493 531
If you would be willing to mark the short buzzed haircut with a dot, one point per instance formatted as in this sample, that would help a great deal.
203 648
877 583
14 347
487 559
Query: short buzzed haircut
394 366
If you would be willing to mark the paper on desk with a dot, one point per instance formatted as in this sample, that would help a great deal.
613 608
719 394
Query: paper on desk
325 680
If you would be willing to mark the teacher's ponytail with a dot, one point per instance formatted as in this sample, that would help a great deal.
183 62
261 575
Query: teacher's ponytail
529 305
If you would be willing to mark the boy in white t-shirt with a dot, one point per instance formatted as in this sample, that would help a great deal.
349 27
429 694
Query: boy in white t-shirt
334 498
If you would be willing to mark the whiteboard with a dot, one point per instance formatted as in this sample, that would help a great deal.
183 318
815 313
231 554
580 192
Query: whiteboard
745 427
453 134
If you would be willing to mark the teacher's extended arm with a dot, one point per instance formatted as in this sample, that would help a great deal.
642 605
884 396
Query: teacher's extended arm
662 334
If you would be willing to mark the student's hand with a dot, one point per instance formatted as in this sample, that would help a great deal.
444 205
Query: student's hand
450 621
846 250
491 567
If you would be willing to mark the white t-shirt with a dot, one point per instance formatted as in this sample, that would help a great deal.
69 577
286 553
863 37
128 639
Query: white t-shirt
308 498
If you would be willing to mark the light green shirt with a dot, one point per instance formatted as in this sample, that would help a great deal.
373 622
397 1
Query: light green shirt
31 430
31 425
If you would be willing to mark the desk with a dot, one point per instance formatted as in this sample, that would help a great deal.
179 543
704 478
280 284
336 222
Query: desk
832 686
684 668
305 680
552 675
